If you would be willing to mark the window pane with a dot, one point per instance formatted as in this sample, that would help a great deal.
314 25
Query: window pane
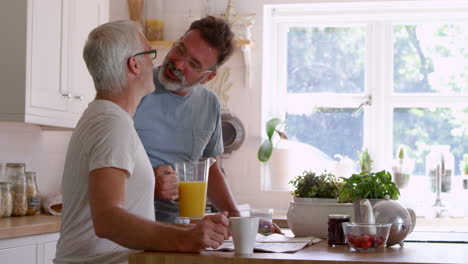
326 60
331 130
430 58
420 128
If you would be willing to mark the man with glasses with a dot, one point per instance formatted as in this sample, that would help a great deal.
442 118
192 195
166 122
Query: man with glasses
181 120
108 182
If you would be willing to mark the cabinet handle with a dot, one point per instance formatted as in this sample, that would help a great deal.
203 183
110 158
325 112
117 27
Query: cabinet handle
78 97
67 95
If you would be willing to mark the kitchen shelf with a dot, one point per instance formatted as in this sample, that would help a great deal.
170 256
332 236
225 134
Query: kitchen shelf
168 43
244 44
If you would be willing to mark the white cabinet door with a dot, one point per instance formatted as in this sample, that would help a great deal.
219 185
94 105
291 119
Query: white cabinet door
18 255
44 78
46 60
85 15
49 252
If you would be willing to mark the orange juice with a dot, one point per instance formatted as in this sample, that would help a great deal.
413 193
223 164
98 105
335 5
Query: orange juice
192 199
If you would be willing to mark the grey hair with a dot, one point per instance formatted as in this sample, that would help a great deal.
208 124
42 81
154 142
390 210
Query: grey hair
106 52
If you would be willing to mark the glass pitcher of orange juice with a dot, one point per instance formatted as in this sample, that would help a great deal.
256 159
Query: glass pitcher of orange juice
193 178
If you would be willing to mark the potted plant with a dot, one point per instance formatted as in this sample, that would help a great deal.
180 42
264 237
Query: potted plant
402 168
310 185
464 171
372 186
315 197
365 161
464 165
266 149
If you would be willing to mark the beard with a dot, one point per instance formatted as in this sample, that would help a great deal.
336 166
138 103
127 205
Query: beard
172 85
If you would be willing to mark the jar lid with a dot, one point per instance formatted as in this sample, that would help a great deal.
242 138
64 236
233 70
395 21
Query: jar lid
15 165
338 216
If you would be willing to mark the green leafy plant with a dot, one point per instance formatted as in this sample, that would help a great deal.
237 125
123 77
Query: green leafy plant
464 164
310 185
401 152
369 186
266 149
365 161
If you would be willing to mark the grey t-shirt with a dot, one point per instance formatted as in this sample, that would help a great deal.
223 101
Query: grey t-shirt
178 128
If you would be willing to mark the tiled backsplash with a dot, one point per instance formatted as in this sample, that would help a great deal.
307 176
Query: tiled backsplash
42 151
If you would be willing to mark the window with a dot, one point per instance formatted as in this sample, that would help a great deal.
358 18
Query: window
348 76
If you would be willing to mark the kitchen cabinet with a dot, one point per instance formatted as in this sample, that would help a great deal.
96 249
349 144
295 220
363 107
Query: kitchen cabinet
39 249
44 78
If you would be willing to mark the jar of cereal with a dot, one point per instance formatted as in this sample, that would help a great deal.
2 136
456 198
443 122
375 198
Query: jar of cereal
15 174
7 199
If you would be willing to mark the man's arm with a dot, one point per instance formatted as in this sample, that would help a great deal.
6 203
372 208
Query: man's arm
107 190
219 192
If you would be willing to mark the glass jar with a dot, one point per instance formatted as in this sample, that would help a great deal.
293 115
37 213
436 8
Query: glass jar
2 211
440 162
6 198
32 194
15 173
154 19
336 235
12 169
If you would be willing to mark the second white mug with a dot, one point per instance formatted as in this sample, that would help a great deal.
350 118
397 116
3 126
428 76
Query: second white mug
244 234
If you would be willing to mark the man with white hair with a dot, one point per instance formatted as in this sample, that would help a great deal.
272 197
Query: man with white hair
108 182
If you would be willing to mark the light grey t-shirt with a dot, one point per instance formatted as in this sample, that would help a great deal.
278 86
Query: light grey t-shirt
104 137
178 128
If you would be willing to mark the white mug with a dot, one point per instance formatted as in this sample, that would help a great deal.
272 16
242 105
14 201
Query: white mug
244 234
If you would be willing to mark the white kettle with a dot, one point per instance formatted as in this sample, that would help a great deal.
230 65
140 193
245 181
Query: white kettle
402 219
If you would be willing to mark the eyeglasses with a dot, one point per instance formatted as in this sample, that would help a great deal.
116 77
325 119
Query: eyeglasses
194 65
152 52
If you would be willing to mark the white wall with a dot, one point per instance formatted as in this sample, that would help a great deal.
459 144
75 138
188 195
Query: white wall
42 151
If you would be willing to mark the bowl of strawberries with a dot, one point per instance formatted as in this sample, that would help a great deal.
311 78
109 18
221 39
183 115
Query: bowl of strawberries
366 237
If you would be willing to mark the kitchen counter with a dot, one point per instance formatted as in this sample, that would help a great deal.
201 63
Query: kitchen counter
320 253
11 227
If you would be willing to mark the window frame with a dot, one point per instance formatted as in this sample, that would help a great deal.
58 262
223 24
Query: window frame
378 131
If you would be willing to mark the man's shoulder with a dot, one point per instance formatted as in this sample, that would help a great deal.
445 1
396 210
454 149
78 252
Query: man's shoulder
207 93
102 113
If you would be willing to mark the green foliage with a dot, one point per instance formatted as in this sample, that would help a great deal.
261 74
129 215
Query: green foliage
464 164
330 59
310 185
401 152
369 186
419 128
365 161
266 149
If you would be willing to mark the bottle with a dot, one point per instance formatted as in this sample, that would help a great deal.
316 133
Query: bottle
15 174
440 162
335 229
7 199
32 194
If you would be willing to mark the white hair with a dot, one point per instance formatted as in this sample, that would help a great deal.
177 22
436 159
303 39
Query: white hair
106 52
